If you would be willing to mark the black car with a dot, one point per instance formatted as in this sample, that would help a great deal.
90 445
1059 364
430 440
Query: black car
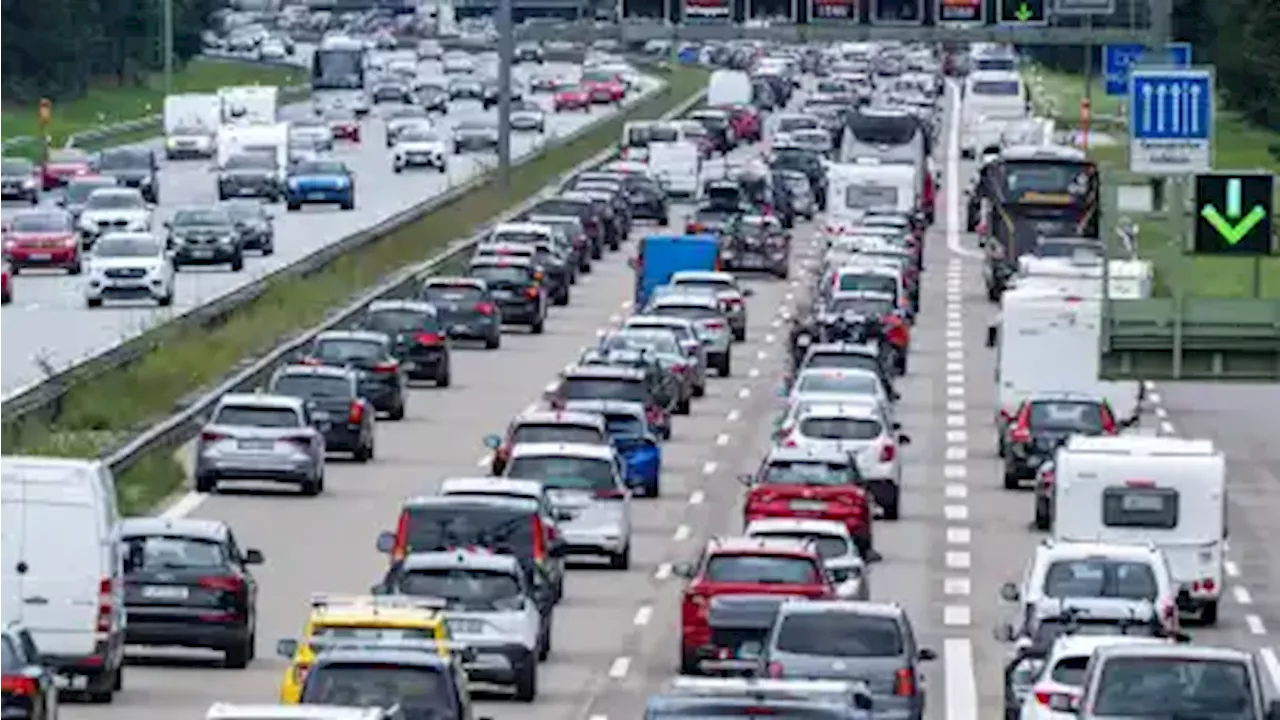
647 199
760 191
187 584
418 340
491 90
528 52
478 134
411 676
392 93
719 129
604 207
333 398
382 378
254 174
570 227
1042 423
255 225
131 167
617 196
583 209
19 180
754 242
30 689
205 236
807 162
515 288
466 89
466 308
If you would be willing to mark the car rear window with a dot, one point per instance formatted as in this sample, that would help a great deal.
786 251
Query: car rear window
167 553
1100 578
868 307
806 473
1140 507
869 282
324 634
464 588
838 383
262 417
564 472
347 350
843 361
829 546
430 529
312 386
502 274
688 312
398 321
840 429
1175 687
452 294
1076 417
840 634
1070 670
420 691
589 388
556 433
763 569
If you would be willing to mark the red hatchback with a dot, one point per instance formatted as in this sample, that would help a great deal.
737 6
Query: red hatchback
604 87
572 97
810 484
42 238
745 121
62 165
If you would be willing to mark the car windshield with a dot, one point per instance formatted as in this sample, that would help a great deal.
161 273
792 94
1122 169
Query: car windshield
347 350
123 160
1171 687
518 237
593 388
251 161
114 201
837 384
565 472
319 167
840 428
143 553
244 211
796 123
1100 578
626 425
419 135
1075 417
863 306
10 168
78 191
468 587
829 546
762 569
551 432
67 157
125 247
867 282
1070 670
393 321
260 417
421 692
805 473
843 361
502 274
41 223
999 88
312 386
839 634
201 218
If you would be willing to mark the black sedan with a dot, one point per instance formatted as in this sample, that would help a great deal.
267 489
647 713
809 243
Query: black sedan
337 409
419 342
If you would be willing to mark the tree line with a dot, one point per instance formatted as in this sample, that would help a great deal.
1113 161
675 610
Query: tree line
58 48
1241 38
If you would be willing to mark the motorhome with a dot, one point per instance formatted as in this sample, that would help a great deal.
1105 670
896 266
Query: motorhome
1162 491
273 137
191 123
858 188
249 104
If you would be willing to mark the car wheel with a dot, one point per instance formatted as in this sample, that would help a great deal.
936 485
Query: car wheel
75 268
349 204
740 335
699 390
544 643
563 297
397 169
527 681
310 487
538 326
237 262
165 300
1011 480
890 506
237 657
206 483
684 407
1042 521
493 342
105 690
93 302
268 249
293 206
444 379
621 560
725 367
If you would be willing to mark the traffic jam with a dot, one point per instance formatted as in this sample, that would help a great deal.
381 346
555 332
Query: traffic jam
814 168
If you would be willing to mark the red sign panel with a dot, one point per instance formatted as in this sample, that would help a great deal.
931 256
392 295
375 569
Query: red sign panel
838 11
704 10
961 11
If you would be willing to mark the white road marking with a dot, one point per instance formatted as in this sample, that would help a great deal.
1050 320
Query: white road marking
959 559
1242 595
697 497
744 393
722 439
954 472
663 572
1272 665
957 586
753 373
956 491
681 534
956 512
954 333
709 467
956 616
184 506
956 421
1233 570
957 452
770 338
957 437
789 297
1154 397
615 319
619 668
956 406
955 355
956 390
1255 625
598 717
776 323
957 535
1167 428
955 367
960 685
643 615
733 416
484 460
761 354
626 304
953 379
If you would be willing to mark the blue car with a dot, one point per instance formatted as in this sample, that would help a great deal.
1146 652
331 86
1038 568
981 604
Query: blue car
328 182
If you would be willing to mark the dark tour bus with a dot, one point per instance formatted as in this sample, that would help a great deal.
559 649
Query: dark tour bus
1027 193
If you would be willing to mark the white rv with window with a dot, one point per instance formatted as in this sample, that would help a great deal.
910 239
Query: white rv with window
857 189
249 104
1167 492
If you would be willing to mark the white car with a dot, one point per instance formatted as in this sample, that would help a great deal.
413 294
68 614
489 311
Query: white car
1061 678
114 209
420 147
315 133
840 555
528 116
272 49
458 63
129 266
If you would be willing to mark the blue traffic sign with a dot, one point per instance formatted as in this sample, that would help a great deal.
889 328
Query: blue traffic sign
1171 116
1119 60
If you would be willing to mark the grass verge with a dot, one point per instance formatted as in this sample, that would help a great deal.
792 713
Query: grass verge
1237 146
106 104
95 416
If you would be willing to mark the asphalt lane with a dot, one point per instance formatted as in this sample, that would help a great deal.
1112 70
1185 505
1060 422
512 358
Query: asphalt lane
49 323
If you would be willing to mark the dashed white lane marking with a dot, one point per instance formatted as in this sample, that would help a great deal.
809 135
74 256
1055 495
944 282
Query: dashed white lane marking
1242 595
955 421
681 534
1233 570
744 393
753 373
956 491
761 354
1167 428
957 452
484 460
956 616
955 344
626 304
957 586
733 416
697 497
619 668
598 717
955 379
959 559
955 472
722 439
955 355
954 333
959 535
955 367
770 338
777 323
955 391
789 297
957 437
1254 623
955 406
643 615
663 572
956 512
1161 412
709 467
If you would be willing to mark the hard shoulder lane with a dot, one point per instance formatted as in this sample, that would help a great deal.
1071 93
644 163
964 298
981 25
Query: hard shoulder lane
48 321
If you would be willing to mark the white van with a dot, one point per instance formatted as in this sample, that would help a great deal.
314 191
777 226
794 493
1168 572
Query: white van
857 188
191 123
992 99
63 575
728 87
1164 491
675 158
1127 279
1047 341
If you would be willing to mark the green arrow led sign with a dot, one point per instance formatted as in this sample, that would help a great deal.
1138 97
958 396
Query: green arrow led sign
1234 214
1024 12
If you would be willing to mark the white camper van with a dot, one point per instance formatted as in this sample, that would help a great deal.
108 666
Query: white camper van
249 104
240 138
675 158
1163 491
191 123
856 189
992 100
63 575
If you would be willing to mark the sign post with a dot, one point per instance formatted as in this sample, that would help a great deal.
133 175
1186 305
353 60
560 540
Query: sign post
45 117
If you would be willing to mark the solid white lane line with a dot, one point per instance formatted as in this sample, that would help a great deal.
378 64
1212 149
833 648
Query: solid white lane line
722 439
957 586
956 512
1242 595
681 533
643 615
1233 570
733 416
1255 625
619 668
184 506
960 688
959 535
709 467
956 616
663 572
697 497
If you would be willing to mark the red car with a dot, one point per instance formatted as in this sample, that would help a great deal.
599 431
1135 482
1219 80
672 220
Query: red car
745 122
343 124
604 87
791 483
62 165
6 285
747 568
42 238
572 97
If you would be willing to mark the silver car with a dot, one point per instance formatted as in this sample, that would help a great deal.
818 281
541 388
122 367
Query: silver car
725 285
840 556
528 116
686 335
588 489
705 311
260 437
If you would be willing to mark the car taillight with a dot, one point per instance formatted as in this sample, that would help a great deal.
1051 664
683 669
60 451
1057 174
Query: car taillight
207 436
1044 698
426 338
225 583
19 685
680 369
904 683
888 453
310 361
774 669
485 308
401 547
386 367
300 674
1108 423
759 711
692 228
1021 432
355 415
714 325
1046 479
303 440
539 539
531 293
106 604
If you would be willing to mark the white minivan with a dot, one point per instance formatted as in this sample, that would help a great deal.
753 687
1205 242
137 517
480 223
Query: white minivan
63 574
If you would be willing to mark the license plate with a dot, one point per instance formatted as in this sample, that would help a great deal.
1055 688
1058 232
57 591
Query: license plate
164 592
202 253
320 416
248 191
808 505
256 445
72 682
40 257
502 294
752 261
409 365
466 627
317 196
461 329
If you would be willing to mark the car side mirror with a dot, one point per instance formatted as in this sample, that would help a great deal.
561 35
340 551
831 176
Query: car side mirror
748 292
254 556
386 542
746 479
287 648
993 334
683 570
904 439
927 655
1004 633
1128 422
168 224
493 442
1009 592
863 701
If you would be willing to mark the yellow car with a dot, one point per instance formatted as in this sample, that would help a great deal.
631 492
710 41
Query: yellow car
360 617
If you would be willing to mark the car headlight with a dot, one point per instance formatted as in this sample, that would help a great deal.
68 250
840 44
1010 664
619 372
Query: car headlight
29 183
293 184
227 239
343 182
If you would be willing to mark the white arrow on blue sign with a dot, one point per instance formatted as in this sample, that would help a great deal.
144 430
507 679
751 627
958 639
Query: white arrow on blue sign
1119 60
1171 117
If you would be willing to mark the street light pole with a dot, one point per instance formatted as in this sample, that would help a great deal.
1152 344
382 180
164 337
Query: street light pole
167 44
506 57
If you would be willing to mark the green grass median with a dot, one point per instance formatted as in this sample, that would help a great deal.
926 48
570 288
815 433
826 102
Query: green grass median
94 417
1237 146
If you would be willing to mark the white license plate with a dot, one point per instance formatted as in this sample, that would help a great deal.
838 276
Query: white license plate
247 191
320 416
317 196
460 329
502 294
40 257
466 627
808 505
256 445
752 261
72 682
202 253
164 592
